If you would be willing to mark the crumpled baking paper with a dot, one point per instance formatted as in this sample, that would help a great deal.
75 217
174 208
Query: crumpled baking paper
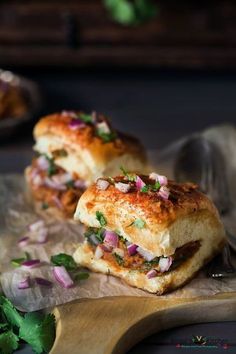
16 213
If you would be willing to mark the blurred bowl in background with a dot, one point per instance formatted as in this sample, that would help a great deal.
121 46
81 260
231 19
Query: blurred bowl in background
20 102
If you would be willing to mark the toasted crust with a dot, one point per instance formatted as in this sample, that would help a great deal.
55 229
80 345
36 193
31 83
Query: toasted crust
88 154
169 224
164 283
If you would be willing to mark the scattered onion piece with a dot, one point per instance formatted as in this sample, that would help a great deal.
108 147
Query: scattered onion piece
42 235
111 239
123 187
139 183
119 252
98 253
103 126
165 263
62 276
76 124
145 254
43 163
62 178
54 185
132 249
151 274
164 192
32 263
37 180
43 281
79 184
102 184
23 241
36 226
69 114
24 283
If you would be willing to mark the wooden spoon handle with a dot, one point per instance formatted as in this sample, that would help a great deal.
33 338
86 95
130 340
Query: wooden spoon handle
114 325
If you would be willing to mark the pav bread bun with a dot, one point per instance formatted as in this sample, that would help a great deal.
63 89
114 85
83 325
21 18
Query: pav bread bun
153 233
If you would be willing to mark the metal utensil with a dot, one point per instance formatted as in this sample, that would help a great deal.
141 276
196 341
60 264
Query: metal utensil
200 161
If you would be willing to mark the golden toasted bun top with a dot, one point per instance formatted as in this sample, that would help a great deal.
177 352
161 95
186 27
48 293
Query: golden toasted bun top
184 199
102 146
149 217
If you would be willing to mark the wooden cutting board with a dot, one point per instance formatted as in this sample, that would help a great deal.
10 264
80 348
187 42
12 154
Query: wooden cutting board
115 324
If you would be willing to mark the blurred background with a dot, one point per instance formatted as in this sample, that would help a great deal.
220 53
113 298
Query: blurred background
161 69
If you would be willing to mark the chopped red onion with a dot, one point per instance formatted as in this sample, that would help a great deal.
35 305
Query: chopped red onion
36 226
98 253
54 185
43 281
42 235
103 126
159 178
164 192
151 274
119 252
24 283
76 124
139 183
79 184
57 202
23 241
111 239
69 114
43 163
105 248
37 180
34 172
32 263
102 184
165 263
123 187
62 178
132 249
62 276
145 254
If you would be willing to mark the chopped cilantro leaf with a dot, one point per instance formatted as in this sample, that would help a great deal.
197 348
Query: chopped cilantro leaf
118 259
9 311
106 137
52 169
45 206
86 118
38 331
81 276
130 176
97 232
101 218
8 342
139 223
70 184
155 187
63 259
144 189
16 262
151 187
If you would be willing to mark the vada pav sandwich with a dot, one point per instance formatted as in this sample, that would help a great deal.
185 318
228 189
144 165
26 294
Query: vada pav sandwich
72 150
153 233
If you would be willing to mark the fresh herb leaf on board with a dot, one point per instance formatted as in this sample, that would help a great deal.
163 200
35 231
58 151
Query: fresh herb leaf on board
63 259
36 329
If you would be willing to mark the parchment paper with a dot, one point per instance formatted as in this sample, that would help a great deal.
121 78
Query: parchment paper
16 214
